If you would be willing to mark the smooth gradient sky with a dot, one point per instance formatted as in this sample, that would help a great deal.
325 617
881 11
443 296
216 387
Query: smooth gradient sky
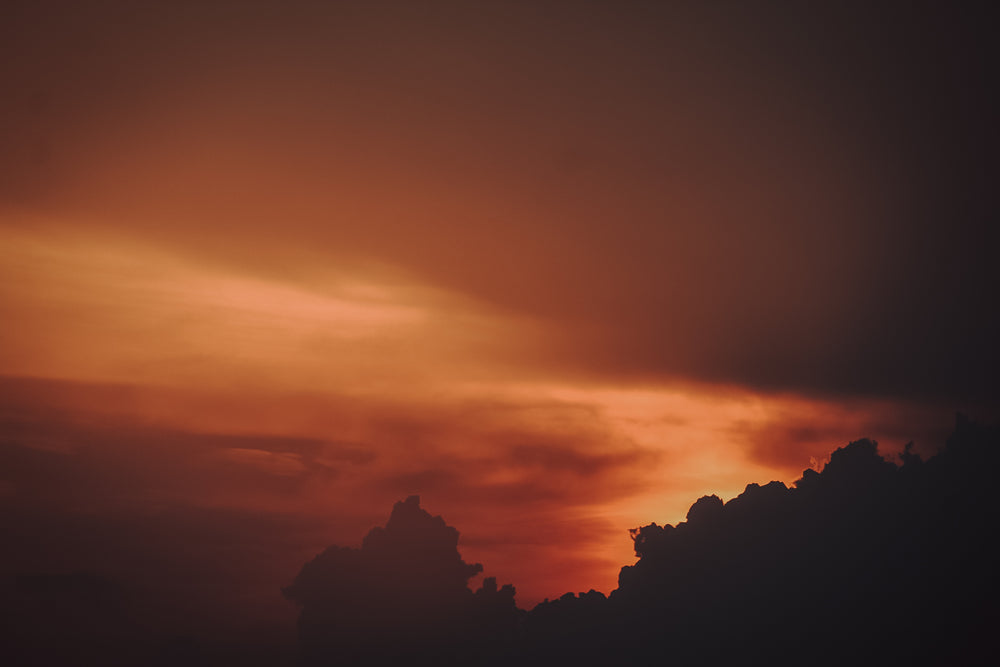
559 268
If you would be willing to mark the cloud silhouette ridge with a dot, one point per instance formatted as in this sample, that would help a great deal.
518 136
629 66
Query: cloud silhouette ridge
869 560
403 595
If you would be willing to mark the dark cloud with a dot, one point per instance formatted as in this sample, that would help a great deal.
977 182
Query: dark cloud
77 617
797 436
866 551
403 595
775 196
194 529
149 579
864 558
890 561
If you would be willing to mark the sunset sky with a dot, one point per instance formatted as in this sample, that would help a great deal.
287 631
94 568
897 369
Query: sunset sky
560 268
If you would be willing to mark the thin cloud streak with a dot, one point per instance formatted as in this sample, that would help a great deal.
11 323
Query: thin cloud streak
112 309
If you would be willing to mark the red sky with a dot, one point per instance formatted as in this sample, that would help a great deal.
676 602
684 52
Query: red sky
559 268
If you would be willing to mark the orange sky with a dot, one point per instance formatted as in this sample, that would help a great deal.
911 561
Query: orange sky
398 388
267 269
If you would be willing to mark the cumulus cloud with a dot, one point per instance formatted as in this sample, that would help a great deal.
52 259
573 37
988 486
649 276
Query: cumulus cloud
866 549
861 558
403 595
871 557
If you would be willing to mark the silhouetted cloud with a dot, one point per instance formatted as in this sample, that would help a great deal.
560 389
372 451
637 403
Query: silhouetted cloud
890 557
403 596
867 560
347 252
120 458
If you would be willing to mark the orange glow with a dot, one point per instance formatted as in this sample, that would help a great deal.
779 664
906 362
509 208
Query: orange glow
357 389
558 270
110 309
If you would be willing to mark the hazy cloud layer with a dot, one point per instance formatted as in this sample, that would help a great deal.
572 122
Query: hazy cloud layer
775 197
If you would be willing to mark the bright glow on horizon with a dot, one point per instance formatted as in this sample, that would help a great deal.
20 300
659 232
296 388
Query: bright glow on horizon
439 392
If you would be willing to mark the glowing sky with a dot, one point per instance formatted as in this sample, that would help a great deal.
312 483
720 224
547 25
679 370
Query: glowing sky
559 268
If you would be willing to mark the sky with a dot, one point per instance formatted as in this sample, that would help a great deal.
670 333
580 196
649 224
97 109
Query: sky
558 268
